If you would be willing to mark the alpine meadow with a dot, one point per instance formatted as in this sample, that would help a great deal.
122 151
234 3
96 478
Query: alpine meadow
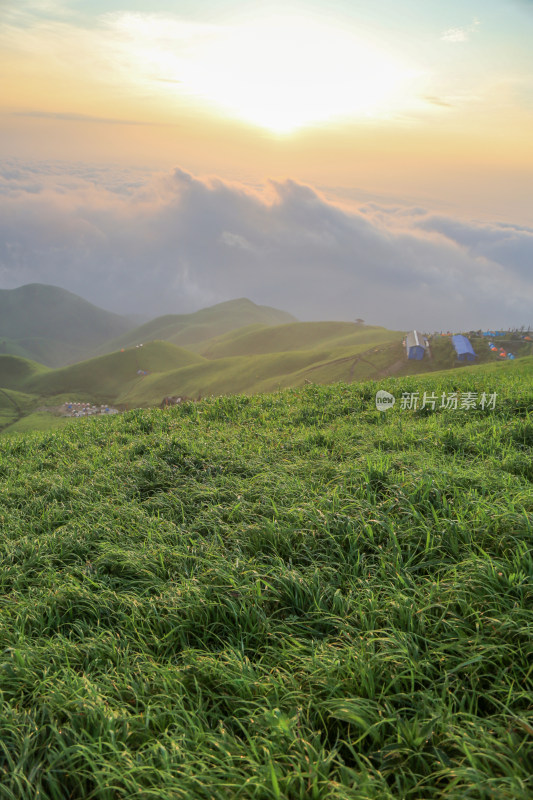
284 595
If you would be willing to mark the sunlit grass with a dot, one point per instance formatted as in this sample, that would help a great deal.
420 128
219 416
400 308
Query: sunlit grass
280 596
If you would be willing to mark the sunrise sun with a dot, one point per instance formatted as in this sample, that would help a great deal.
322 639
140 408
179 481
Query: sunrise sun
281 75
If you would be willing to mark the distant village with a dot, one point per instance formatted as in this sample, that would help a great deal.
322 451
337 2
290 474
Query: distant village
85 410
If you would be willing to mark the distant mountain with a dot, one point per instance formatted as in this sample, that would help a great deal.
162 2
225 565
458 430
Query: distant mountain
54 326
185 330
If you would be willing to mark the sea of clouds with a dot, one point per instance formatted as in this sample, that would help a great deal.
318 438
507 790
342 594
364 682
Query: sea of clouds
137 242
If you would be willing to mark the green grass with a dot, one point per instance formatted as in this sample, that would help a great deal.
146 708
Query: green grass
279 596
14 406
103 377
37 421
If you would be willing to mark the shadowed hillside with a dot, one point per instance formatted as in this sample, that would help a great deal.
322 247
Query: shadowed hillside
52 325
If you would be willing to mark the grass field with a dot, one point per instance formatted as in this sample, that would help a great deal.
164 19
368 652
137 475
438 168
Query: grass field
281 596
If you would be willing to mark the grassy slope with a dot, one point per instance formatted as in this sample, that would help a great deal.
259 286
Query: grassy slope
16 372
45 351
108 376
190 329
334 349
38 421
253 359
293 336
331 355
13 405
282 596
261 373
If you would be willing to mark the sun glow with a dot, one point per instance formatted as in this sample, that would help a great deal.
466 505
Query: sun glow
281 74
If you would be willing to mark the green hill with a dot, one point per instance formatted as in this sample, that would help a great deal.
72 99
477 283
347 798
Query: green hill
16 372
252 374
106 377
251 359
189 329
289 595
293 336
52 325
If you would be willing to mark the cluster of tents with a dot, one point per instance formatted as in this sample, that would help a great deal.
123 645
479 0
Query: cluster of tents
500 351
417 345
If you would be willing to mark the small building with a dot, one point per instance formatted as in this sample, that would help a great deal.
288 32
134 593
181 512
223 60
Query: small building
463 348
415 345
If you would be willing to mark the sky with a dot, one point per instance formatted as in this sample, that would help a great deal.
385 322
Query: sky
335 159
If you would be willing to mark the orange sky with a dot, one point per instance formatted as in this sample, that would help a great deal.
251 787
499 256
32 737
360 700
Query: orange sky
431 107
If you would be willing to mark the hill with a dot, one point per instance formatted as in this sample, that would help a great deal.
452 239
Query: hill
259 340
251 360
189 329
52 325
281 596
16 372
104 378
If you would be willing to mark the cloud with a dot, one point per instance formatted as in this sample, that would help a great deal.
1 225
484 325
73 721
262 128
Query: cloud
175 242
234 240
506 244
437 101
455 35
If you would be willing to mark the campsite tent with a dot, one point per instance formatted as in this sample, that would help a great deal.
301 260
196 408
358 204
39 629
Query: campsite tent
415 345
463 348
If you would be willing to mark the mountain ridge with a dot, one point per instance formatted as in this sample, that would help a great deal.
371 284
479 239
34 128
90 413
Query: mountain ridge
57 328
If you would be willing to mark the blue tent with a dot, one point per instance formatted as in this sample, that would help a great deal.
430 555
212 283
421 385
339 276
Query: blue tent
463 348
415 344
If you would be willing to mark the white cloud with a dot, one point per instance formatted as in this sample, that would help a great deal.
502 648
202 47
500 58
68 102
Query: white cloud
455 35
234 240
460 34
175 242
